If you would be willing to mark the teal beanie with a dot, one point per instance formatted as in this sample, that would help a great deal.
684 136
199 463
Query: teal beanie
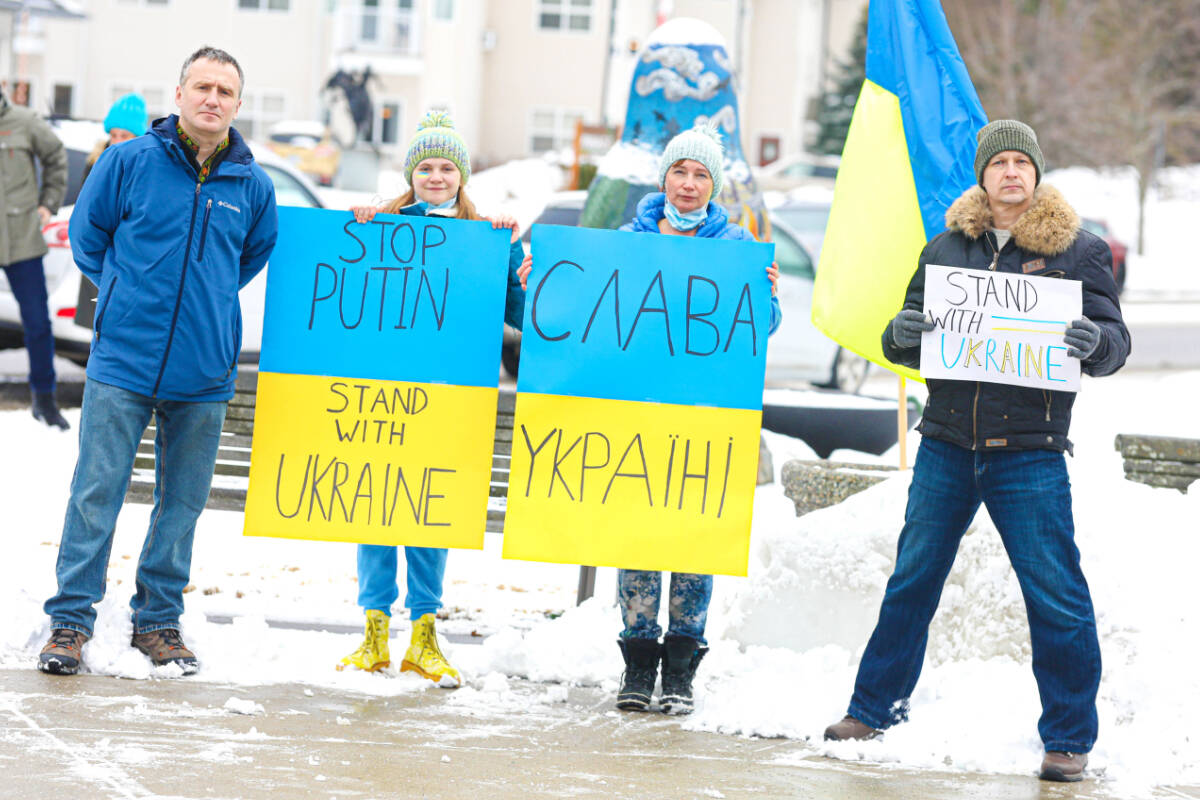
128 113
702 144
436 138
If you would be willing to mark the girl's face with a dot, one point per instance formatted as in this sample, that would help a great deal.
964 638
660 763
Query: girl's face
436 180
688 185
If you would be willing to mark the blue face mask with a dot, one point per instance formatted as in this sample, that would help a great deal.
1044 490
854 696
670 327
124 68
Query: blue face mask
427 207
685 222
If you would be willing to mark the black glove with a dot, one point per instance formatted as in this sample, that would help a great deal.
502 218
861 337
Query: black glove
908 326
1082 338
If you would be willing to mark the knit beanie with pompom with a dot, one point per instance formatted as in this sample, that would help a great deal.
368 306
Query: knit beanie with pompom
436 138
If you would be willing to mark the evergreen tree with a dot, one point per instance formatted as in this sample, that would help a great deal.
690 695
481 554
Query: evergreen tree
837 102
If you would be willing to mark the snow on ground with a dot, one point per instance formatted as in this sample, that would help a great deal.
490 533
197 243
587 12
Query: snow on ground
785 641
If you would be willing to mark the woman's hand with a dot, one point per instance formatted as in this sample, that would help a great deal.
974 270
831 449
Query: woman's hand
505 221
364 213
773 274
524 270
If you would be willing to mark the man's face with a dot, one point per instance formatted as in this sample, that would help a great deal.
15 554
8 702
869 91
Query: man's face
209 98
1010 178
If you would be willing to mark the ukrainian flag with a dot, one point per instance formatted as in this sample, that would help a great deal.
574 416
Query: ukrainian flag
909 154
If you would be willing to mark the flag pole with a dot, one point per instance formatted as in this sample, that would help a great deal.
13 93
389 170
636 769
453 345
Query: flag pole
902 424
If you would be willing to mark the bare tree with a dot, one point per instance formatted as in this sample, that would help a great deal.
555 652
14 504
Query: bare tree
1104 82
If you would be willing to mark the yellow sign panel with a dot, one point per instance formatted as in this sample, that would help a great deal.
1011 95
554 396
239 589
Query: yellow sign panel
628 484
370 461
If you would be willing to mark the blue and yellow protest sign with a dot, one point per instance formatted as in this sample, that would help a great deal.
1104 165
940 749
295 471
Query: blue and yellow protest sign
376 407
639 401
1000 327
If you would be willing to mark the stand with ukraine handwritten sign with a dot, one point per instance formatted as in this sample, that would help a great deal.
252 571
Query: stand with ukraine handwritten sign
377 389
1000 327
639 402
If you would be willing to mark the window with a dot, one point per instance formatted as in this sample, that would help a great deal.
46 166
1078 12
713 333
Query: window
385 126
263 5
565 15
552 128
260 110
386 25
443 10
288 190
64 94
791 256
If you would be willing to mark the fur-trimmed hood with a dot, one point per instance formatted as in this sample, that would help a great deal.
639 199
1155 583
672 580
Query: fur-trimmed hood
1048 227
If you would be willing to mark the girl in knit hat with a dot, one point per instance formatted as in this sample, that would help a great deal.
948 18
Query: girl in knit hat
690 174
437 168
124 121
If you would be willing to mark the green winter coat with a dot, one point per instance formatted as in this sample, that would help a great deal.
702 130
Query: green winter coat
25 136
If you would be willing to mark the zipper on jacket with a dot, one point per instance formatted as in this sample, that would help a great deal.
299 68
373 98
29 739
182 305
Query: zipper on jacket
1049 402
101 312
204 229
178 295
975 403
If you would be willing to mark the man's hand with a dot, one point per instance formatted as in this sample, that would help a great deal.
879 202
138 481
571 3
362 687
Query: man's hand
908 326
44 215
1082 338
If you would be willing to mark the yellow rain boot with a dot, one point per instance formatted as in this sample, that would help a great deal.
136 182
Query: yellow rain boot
425 658
372 655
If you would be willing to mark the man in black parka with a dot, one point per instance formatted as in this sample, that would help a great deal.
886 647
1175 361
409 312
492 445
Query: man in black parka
1001 445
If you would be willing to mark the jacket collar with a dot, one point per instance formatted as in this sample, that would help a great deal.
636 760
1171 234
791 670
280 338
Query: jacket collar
239 152
1048 227
652 208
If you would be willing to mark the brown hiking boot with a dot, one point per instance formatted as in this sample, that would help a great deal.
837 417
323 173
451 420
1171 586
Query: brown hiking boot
850 728
1065 767
63 654
166 647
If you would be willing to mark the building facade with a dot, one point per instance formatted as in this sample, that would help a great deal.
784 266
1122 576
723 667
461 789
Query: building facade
516 74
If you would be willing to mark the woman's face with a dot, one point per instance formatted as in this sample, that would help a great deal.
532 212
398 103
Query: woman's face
436 180
688 185
118 135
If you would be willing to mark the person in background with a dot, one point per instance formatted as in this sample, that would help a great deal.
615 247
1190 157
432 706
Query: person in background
690 173
1000 445
25 142
437 167
124 121
170 226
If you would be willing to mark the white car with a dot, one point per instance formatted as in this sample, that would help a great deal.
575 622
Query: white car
72 298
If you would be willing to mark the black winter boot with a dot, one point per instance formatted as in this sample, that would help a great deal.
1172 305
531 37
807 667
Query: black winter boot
45 409
680 657
641 671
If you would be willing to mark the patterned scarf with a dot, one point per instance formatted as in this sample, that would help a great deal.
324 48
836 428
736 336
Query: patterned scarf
209 162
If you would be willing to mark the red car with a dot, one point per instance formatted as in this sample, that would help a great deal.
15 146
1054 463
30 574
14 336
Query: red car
1101 229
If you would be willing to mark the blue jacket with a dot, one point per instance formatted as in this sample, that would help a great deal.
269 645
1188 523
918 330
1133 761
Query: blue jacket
514 301
716 225
169 255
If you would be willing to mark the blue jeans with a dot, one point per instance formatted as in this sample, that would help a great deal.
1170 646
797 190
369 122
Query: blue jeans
377 587
1028 495
185 450
687 612
28 282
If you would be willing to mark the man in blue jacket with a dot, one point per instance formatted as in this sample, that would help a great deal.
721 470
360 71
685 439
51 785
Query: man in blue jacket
1002 446
169 226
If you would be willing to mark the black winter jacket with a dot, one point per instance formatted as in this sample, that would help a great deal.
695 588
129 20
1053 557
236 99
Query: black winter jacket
1046 241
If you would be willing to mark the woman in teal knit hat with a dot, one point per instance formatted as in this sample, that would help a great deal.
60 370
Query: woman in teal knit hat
124 121
690 174
437 167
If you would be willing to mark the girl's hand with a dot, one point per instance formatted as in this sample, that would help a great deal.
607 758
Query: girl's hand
773 274
524 270
363 213
505 221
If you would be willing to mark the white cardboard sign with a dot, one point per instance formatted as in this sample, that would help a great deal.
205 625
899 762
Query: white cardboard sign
1000 327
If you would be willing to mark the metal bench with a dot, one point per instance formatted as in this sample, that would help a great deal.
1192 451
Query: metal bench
232 471
1164 461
